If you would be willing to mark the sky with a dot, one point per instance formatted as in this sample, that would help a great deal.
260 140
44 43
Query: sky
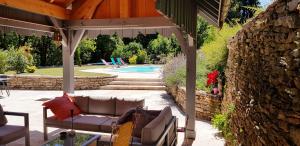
265 3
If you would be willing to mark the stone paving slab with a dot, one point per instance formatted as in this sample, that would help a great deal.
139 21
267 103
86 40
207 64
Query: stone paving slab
31 102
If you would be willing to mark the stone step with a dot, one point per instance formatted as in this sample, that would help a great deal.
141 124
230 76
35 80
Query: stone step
138 79
132 87
136 83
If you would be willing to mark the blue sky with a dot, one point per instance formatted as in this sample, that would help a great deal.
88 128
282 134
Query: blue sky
265 3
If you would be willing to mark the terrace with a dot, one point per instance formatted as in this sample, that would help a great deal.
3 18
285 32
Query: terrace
259 105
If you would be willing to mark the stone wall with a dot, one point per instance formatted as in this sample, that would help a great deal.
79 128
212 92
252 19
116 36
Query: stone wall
55 83
206 104
263 77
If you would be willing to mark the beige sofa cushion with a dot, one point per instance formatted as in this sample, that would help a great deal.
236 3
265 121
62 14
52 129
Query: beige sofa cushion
82 102
152 132
105 106
10 133
90 122
3 119
123 105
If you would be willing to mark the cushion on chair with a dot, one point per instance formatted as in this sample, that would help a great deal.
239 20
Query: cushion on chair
3 119
152 131
61 107
82 103
10 133
105 106
142 118
123 106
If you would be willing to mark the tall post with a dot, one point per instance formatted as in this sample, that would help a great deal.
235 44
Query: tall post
68 65
190 87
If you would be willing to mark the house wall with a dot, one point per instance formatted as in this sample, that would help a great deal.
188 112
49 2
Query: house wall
263 77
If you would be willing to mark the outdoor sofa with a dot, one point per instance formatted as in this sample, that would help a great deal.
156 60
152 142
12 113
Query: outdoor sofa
98 114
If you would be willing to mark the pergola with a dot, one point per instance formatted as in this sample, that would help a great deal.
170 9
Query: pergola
76 19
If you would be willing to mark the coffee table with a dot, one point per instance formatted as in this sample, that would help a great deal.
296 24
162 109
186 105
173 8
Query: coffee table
80 139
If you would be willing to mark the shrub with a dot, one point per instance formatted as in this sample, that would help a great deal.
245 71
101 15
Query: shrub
31 69
134 47
222 123
174 71
16 60
3 62
26 51
141 57
133 59
84 51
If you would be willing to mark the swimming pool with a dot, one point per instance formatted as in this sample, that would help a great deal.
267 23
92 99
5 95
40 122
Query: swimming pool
138 69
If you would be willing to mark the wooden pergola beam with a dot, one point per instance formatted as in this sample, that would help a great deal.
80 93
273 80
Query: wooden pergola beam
25 25
38 6
96 24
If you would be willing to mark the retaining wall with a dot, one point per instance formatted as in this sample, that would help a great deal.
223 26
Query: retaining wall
55 83
206 104
263 77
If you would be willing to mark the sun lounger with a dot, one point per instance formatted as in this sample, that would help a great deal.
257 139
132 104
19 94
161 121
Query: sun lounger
120 61
113 61
104 62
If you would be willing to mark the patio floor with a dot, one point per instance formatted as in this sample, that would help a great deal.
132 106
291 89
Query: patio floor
29 101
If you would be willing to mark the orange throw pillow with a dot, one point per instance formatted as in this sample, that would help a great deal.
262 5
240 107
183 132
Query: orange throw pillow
62 106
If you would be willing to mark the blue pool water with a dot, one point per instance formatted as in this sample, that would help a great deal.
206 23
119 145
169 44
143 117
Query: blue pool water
138 69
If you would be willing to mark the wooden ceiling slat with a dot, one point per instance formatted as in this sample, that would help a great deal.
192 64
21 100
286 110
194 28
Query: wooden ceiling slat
37 6
86 10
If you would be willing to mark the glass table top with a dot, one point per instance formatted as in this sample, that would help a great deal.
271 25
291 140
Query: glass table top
80 139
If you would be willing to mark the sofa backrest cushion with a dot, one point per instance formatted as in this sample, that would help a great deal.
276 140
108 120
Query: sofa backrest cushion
123 105
153 130
82 102
3 119
101 105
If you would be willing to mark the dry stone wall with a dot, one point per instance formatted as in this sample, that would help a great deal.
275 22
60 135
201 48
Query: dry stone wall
55 83
263 77
206 104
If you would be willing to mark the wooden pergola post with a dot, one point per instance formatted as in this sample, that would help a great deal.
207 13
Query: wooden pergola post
190 87
70 41
73 39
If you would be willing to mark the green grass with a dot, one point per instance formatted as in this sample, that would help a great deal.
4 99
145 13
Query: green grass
58 71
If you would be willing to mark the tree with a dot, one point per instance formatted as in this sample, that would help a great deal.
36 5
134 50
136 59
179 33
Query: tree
239 12
202 31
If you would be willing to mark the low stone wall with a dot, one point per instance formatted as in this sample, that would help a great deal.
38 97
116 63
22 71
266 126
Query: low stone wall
206 104
55 83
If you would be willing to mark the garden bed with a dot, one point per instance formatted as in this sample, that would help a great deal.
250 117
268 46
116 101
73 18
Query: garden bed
207 105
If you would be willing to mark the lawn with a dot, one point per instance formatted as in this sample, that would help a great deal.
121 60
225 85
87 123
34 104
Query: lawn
58 71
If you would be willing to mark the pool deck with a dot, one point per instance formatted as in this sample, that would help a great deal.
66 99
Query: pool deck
110 70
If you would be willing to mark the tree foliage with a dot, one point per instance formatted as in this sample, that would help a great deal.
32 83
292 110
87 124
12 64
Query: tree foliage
84 51
202 31
239 12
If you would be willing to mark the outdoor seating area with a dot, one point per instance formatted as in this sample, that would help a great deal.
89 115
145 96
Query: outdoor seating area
154 101
98 114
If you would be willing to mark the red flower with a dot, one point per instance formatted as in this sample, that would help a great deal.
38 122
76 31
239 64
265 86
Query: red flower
212 77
